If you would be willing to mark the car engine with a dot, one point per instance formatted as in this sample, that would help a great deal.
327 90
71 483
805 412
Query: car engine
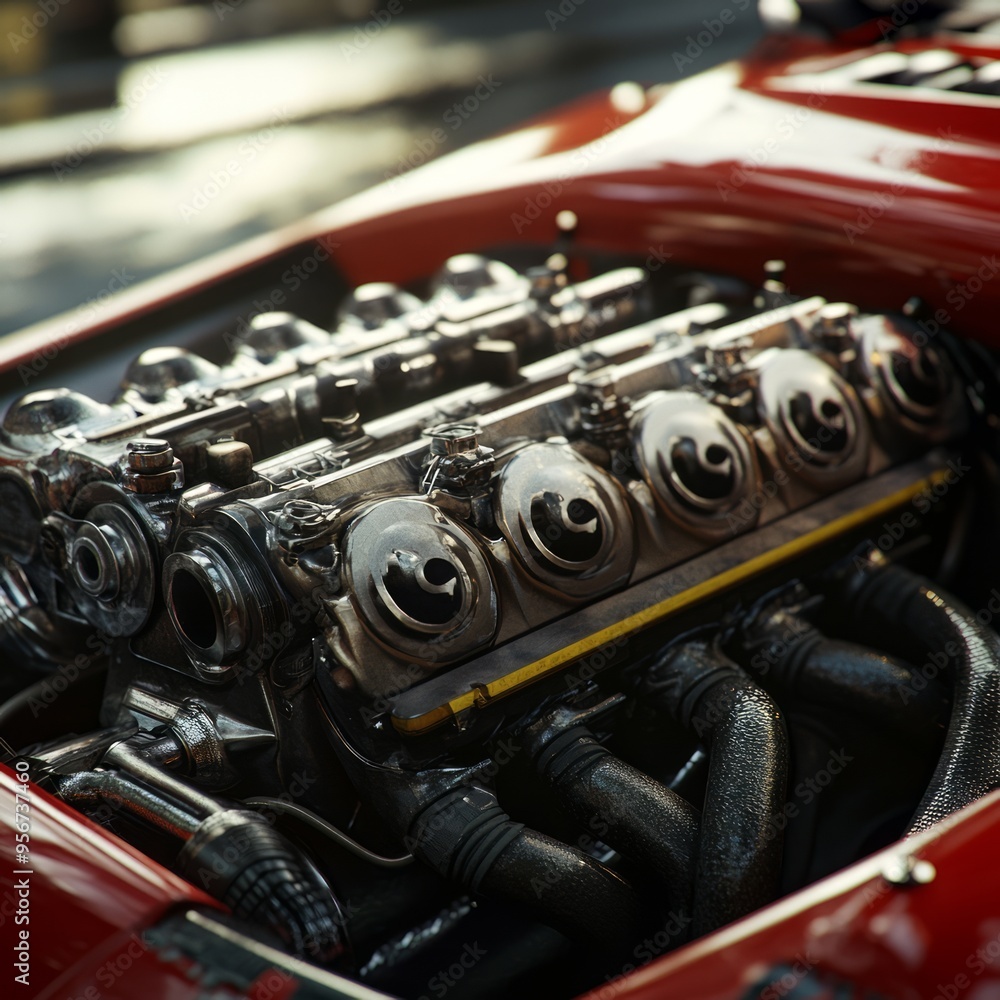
521 616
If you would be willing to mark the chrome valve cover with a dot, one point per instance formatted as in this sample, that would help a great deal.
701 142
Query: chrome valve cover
384 503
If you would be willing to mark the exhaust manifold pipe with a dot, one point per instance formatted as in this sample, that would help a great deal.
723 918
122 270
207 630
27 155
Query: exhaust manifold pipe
739 850
941 632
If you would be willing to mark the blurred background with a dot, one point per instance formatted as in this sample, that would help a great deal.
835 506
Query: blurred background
139 135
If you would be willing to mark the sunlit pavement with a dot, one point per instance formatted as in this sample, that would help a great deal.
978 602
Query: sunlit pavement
207 147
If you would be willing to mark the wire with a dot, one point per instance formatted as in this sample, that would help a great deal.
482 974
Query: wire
329 830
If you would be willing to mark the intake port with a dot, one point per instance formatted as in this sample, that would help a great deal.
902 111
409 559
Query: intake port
566 533
698 463
566 520
419 580
218 601
819 429
429 594
194 610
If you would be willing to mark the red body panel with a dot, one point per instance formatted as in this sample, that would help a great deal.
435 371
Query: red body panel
935 941
87 897
868 191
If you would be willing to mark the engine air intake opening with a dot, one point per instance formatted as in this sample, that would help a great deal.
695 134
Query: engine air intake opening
430 594
714 481
574 534
88 567
193 609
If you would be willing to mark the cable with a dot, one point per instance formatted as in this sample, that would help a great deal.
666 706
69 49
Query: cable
329 830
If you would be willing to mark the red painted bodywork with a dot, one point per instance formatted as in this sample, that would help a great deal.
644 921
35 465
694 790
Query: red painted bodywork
89 897
934 941
869 193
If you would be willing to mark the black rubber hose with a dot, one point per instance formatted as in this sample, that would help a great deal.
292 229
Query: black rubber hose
238 858
740 846
790 656
945 633
622 806
466 836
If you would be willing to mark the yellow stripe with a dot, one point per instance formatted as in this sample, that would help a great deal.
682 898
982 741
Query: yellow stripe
535 671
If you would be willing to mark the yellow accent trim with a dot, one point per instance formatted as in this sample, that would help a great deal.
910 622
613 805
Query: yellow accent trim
532 672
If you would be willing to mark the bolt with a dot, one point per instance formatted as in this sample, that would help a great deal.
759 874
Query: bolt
604 415
150 467
229 463
149 455
597 387
909 871
833 322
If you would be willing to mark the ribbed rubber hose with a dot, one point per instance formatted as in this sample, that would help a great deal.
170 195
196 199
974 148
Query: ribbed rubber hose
625 808
466 836
238 858
740 846
895 601
794 657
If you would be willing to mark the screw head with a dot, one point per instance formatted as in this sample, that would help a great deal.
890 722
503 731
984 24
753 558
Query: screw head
149 455
909 871
834 320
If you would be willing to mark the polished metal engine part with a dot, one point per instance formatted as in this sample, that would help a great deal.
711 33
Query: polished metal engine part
182 424
700 465
693 433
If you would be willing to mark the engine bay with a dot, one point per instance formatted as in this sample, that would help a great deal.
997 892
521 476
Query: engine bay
519 617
